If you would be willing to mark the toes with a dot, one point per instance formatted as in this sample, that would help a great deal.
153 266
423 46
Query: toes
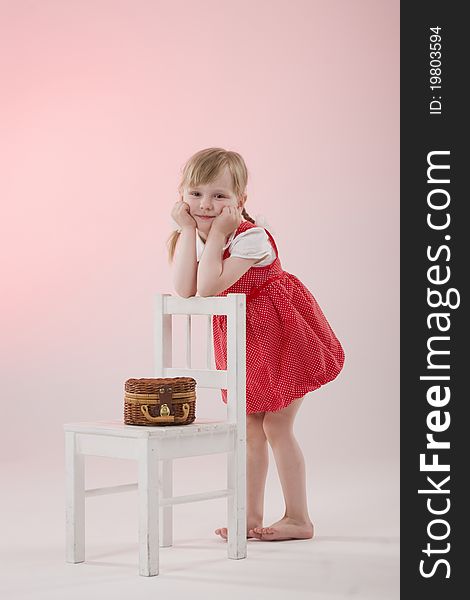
264 531
254 533
222 531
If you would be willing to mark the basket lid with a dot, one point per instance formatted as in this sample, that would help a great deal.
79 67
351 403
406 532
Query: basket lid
151 385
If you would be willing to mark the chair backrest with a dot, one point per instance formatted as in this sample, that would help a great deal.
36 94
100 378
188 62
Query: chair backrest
233 379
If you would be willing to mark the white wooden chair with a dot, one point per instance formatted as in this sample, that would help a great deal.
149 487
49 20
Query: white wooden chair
155 447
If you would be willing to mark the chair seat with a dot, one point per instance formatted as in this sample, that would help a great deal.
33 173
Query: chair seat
119 429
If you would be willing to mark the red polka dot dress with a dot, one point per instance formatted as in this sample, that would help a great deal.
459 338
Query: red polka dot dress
290 346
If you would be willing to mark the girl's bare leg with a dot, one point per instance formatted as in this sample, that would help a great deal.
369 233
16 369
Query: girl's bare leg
296 523
256 471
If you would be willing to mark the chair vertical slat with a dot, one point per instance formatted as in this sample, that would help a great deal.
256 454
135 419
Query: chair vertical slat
236 359
188 341
163 337
209 342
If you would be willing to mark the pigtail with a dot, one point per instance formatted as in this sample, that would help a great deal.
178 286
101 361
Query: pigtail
247 217
171 244
259 220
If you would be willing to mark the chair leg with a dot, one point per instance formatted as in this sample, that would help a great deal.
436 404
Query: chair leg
74 501
236 505
148 509
166 529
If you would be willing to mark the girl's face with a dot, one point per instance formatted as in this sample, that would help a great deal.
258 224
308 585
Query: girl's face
209 200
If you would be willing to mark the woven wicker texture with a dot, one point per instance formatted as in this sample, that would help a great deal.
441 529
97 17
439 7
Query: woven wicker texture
160 401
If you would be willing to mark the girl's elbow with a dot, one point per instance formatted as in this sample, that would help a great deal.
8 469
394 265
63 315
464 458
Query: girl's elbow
205 292
211 287
185 293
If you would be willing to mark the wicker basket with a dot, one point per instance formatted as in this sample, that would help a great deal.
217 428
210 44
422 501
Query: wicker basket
160 401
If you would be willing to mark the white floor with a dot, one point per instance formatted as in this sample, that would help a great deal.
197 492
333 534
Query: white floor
355 552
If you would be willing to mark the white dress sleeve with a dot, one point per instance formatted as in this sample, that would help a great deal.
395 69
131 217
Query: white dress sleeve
253 243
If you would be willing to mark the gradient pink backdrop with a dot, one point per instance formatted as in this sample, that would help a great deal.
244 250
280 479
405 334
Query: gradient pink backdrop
102 103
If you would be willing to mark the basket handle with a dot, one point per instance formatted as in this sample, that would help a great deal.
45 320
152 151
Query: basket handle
165 419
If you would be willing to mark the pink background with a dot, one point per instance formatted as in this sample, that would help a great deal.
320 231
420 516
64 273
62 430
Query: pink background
102 103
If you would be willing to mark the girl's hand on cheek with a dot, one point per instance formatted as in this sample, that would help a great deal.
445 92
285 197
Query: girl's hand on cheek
181 215
228 220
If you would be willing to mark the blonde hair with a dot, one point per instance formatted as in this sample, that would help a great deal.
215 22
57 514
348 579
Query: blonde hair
203 167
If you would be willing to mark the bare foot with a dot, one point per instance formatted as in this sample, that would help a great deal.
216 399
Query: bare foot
285 529
223 532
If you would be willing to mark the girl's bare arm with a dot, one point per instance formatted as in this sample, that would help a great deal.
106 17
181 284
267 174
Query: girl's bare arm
214 274
185 263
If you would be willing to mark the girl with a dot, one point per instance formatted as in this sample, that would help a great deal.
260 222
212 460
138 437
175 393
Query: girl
290 346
